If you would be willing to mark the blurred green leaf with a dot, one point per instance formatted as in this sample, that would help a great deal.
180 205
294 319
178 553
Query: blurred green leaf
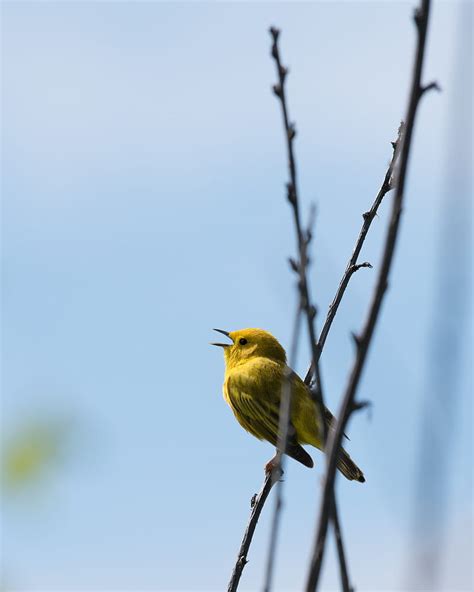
31 452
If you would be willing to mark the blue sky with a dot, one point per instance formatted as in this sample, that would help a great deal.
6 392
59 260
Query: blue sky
143 172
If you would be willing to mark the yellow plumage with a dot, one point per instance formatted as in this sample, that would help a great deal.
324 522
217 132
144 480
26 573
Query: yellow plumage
254 375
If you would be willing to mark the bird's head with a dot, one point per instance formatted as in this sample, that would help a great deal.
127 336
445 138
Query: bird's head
250 343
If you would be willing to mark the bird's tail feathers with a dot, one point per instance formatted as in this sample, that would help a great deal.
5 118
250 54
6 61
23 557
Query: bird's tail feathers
299 453
348 467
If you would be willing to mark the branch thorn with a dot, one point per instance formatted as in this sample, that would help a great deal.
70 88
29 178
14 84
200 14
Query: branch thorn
431 86
277 90
274 32
358 266
355 338
358 405
417 17
294 265
291 193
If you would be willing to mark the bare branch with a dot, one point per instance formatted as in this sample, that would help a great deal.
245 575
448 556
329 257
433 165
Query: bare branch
346 587
304 237
283 427
256 504
352 265
335 438
299 267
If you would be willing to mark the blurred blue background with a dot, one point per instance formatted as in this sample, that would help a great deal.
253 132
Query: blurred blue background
143 203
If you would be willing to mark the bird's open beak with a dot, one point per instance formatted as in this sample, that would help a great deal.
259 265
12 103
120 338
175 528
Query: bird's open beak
226 333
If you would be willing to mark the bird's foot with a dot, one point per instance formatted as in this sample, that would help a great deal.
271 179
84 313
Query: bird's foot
273 467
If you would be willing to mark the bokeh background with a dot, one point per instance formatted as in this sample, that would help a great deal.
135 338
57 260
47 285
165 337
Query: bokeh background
143 203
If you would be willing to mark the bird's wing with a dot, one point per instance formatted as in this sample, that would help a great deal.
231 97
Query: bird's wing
303 391
260 416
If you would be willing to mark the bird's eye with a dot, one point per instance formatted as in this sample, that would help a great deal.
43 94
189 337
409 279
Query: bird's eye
242 341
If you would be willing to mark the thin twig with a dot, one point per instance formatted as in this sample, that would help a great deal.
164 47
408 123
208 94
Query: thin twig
303 237
299 267
352 265
363 342
346 587
257 503
283 427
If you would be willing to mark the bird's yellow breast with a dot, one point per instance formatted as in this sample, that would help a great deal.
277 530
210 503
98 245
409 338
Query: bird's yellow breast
253 391
258 377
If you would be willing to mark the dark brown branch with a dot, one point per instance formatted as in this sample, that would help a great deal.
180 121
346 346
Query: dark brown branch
283 427
352 265
346 587
335 438
300 267
303 238
257 504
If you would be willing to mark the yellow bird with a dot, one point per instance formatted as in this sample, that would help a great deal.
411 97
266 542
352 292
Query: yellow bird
254 374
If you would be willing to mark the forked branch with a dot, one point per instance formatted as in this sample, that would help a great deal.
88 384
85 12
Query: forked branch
300 267
364 340
257 503
303 237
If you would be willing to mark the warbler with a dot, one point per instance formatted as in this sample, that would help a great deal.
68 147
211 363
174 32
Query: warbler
255 368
